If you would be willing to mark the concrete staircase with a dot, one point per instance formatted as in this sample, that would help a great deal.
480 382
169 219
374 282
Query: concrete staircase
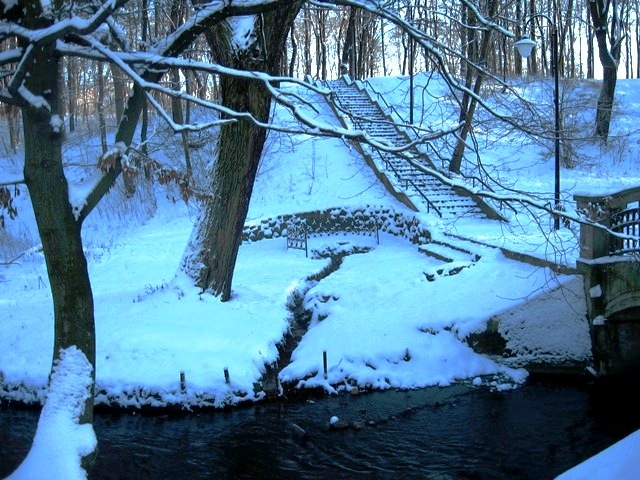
455 252
358 111
421 191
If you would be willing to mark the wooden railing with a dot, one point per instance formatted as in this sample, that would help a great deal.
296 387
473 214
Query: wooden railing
620 213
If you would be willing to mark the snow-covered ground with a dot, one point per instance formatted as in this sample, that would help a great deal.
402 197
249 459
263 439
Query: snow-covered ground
379 318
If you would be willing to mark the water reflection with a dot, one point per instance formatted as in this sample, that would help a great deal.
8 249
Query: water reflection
535 432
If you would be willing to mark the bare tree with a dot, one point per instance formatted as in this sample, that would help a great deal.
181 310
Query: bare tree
474 80
607 23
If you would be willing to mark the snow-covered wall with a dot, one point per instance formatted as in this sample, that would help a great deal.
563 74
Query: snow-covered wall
343 219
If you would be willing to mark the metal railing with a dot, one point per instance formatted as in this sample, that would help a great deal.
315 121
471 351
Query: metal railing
299 230
387 164
297 236
409 182
475 179
626 222
619 213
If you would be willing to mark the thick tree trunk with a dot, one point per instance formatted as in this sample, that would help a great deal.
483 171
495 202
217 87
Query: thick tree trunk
219 233
58 227
605 102
213 248
61 242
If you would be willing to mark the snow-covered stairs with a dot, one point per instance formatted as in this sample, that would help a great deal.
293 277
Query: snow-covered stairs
455 252
358 111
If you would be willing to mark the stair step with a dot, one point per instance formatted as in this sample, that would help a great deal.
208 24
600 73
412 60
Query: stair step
359 110
447 253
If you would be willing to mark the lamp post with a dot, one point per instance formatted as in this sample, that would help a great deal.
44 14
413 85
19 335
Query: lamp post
525 45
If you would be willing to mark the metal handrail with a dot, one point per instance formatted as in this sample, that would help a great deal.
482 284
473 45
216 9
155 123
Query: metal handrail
415 131
405 124
430 204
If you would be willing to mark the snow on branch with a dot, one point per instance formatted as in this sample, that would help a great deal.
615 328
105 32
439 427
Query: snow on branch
12 55
313 126
80 193
73 25
183 127
486 22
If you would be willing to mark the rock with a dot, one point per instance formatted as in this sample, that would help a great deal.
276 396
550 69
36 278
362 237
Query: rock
336 424
358 425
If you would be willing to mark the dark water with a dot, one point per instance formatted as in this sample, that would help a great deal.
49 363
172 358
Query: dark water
535 432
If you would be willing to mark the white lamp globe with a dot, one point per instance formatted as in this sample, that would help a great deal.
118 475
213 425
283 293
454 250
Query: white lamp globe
525 45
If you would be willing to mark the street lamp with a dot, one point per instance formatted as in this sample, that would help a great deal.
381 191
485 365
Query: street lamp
525 45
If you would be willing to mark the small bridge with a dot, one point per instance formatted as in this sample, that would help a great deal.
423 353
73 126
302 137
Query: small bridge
610 264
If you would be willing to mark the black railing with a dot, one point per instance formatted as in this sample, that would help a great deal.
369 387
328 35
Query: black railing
419 191
475 179
619 215
297 236
299 230
408 182
625 222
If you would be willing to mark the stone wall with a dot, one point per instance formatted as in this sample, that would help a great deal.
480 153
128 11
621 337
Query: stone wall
342 220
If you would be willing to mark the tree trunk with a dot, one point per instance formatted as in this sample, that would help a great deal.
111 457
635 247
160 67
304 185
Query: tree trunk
533 59
145 110
58 227
118 90
11 116
100 106
61 242
219 233
72 86
176 103
294 53
306 30
349 50
609 58
213 248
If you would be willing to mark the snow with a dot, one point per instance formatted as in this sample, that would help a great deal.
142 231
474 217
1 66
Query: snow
388 317
242 28
9 4
57 123
60 441
35 100
620 462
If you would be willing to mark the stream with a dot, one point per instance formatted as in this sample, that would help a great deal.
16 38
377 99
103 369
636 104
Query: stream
536 431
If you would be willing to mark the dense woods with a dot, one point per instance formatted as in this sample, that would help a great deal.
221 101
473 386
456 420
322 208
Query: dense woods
325 36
